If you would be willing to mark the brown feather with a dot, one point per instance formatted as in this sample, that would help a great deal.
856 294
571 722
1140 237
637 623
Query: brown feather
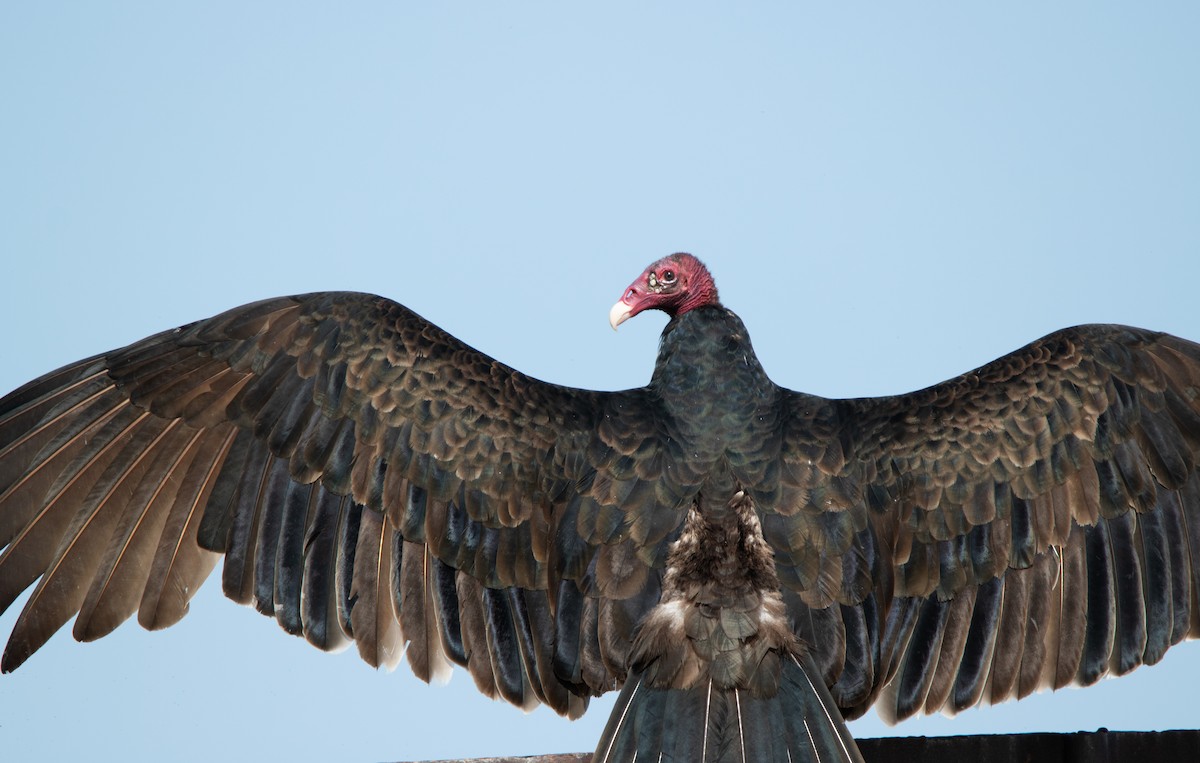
180 563
419 614
373 616
954 641
122 573
64 583
474 634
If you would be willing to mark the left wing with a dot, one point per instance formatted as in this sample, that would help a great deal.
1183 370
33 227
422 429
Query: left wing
365 475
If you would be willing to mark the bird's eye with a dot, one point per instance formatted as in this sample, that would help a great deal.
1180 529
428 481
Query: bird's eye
668 276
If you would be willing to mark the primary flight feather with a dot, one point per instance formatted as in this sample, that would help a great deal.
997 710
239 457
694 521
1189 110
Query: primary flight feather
747 563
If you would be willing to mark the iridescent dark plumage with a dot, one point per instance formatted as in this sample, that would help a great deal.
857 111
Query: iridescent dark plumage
744 559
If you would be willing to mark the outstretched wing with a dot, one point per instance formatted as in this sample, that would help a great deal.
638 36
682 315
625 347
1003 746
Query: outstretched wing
366 477
1027 525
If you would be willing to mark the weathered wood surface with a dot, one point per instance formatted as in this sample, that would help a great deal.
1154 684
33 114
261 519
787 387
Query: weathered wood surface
1083 747
1101 746
577 757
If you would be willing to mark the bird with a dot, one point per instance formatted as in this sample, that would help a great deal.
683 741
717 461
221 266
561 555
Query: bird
747 565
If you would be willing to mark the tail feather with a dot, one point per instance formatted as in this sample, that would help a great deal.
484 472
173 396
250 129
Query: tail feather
707 724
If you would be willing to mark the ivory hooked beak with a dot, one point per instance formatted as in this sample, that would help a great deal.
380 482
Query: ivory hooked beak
619 313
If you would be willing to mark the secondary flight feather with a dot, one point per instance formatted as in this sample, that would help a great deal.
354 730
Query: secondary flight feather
751 562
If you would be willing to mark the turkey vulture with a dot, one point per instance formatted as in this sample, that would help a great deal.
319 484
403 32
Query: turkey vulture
747 564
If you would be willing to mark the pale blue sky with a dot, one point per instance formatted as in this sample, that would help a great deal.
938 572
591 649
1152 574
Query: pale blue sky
888 197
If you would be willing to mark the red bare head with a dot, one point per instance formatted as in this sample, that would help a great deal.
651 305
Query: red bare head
674 284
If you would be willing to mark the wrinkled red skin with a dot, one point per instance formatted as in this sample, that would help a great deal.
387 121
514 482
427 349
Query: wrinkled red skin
675 284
